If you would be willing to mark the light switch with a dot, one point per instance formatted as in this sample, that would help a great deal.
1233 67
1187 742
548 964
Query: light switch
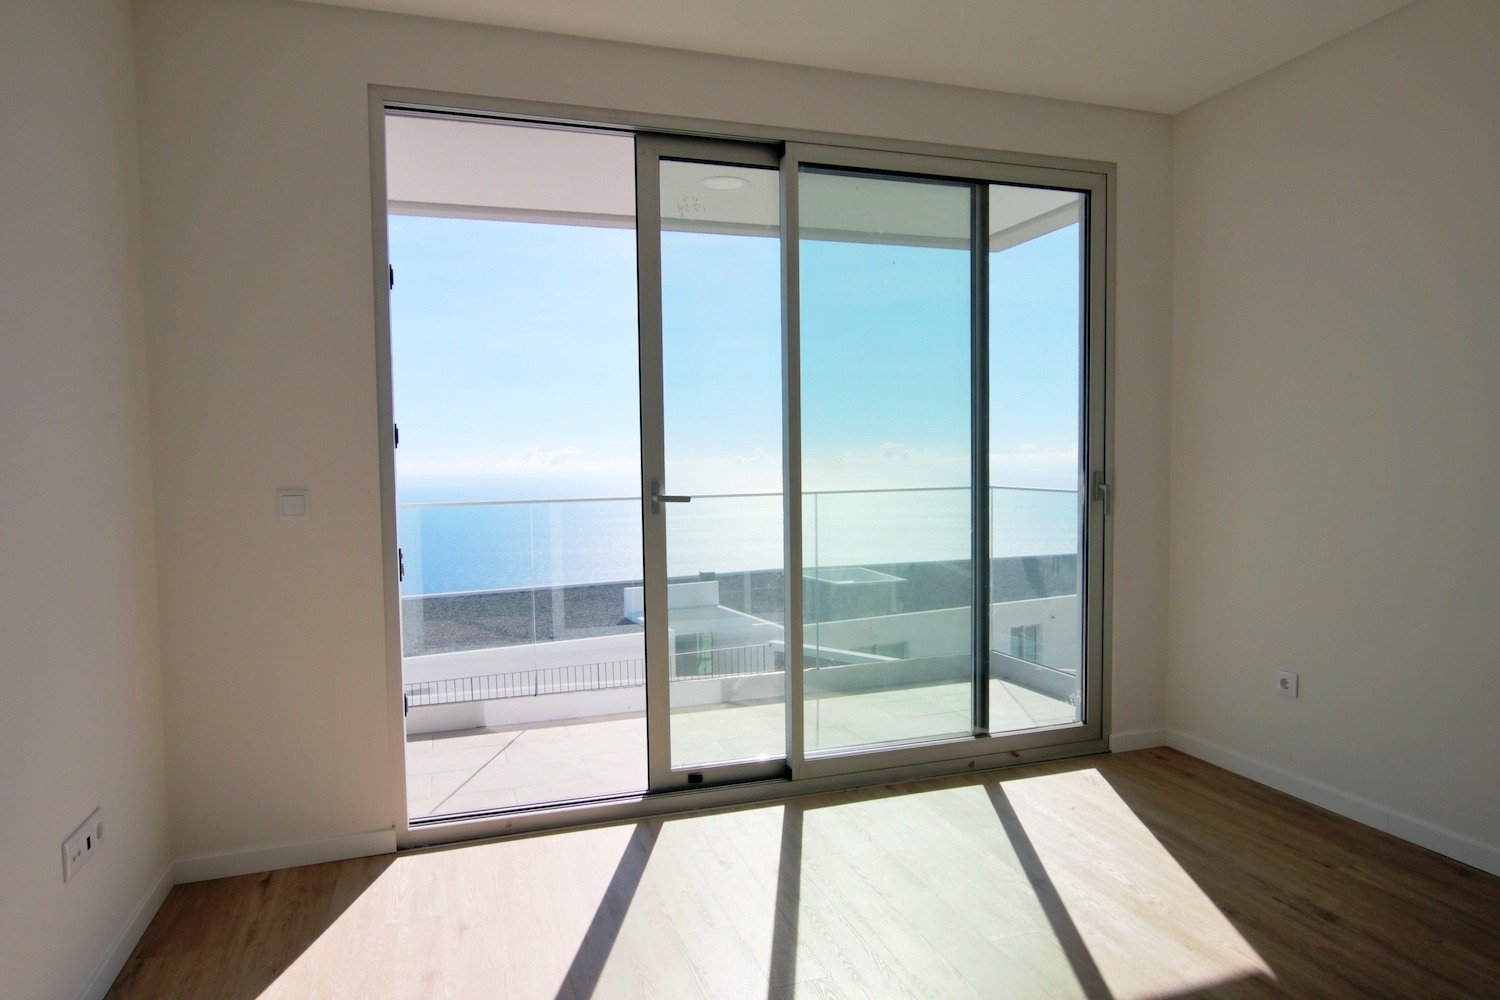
292 503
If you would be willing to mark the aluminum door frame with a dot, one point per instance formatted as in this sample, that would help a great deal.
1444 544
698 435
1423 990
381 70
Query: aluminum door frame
897 164
650 150
1096 178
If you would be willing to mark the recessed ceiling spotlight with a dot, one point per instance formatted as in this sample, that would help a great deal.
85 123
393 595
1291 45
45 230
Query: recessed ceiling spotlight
724 182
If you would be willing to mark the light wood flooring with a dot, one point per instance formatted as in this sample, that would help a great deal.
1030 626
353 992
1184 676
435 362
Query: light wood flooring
1147 874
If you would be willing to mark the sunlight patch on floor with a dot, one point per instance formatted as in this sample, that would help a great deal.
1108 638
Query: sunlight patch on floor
1119 907
1040 886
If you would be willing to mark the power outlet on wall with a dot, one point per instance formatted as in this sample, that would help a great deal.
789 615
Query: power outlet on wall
81 844
1286 683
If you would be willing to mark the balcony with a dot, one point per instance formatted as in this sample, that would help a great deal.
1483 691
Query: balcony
535 692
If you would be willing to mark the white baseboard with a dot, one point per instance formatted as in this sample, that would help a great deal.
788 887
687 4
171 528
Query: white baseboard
1139 739
264 859
119 952
1485 857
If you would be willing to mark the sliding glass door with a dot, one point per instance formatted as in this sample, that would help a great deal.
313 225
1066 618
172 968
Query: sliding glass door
512 257
886 281
1036 427
733 461
710 252
928 457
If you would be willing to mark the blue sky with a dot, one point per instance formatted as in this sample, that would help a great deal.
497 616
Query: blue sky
515 364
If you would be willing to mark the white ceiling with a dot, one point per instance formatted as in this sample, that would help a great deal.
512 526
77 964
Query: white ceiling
472 169
1154 55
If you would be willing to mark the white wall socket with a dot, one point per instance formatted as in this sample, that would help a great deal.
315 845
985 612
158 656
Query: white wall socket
294 501
1286 683
81 844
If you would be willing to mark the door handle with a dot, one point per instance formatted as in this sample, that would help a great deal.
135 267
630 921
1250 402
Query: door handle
658 498
1104 493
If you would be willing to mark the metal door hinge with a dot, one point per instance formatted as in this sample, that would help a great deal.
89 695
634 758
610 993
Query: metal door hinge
393 275
396 435
400 565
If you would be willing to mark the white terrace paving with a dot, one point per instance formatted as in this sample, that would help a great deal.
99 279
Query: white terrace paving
483 769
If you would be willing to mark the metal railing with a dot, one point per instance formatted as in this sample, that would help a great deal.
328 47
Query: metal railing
726 662
558 542
425 504
528 683
730 661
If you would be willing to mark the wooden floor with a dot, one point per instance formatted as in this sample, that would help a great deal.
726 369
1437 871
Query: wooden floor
1147 874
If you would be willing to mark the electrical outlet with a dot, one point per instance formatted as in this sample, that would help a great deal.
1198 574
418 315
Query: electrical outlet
81 844
1286 683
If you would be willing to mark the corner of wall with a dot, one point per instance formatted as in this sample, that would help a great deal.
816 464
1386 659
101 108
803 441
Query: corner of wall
83 715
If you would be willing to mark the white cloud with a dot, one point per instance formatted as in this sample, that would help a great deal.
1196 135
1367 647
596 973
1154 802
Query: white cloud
532 462
757 457
1029 456
557 456
893 450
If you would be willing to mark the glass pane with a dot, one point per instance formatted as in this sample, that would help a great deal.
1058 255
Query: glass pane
886 319
518 510
1036 619
721 365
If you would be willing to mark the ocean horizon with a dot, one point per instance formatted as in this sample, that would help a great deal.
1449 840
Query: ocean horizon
515 544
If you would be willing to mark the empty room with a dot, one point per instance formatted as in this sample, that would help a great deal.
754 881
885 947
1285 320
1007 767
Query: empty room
545 499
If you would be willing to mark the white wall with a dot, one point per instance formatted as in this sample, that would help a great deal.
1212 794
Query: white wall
1335 466
522 657
1057 621
80 694
255 158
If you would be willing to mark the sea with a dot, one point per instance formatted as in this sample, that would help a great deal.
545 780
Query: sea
461 547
